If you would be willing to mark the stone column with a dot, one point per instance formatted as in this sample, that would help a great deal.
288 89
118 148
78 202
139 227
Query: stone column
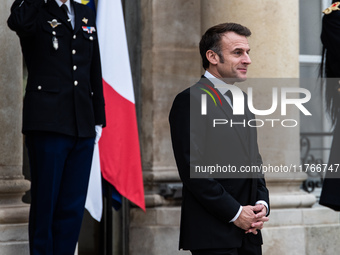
13 213
170 63
274 52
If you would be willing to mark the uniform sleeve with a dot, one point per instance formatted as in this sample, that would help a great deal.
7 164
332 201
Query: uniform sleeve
188 146
23 16
330 31
331 40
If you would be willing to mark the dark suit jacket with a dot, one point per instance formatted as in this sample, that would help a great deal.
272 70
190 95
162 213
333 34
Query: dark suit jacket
209 204
64 92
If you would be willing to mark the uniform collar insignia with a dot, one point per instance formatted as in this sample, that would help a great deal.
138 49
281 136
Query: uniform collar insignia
54 23
333 7
85 20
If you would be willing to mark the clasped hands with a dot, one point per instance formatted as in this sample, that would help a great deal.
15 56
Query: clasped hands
252 218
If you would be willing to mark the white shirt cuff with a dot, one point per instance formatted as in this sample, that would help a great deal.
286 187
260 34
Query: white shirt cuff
263 203
237 214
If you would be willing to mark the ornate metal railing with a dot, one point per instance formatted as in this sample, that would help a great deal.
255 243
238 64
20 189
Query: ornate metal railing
313 147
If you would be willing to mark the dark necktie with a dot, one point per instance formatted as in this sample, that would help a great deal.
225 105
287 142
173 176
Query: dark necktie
239 118
65 10
230 95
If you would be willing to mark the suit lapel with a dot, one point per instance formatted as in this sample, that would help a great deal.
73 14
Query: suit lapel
225 107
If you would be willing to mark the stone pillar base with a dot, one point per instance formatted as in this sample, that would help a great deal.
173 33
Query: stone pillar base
307 231
14 249
285 191
292 200
14 239
155 232
13 216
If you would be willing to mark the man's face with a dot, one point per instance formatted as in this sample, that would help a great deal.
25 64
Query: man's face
235 50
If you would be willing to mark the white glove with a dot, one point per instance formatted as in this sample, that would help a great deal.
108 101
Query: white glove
99 129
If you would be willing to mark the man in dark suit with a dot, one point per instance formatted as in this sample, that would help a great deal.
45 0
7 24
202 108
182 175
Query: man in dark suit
219 215
63 114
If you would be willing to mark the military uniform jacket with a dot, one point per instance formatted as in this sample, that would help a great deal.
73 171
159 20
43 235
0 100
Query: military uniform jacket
330 38
64 91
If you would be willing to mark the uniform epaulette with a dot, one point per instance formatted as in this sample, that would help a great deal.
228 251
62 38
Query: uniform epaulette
333 7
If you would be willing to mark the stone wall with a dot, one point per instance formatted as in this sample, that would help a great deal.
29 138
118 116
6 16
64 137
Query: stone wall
13 213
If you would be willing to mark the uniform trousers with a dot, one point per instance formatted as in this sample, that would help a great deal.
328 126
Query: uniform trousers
60 168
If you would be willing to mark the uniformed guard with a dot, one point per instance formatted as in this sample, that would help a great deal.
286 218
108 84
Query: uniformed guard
63 109
330 37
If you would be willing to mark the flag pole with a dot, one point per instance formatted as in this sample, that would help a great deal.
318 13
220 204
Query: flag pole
109 230
125 226
106 228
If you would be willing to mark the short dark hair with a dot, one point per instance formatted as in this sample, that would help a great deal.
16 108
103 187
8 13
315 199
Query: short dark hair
212 38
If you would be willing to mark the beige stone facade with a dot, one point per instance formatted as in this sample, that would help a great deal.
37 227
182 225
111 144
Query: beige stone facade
13 213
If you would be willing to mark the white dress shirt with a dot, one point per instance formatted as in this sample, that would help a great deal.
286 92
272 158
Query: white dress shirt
70 11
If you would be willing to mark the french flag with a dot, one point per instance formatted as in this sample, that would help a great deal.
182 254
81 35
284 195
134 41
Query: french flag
117 157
